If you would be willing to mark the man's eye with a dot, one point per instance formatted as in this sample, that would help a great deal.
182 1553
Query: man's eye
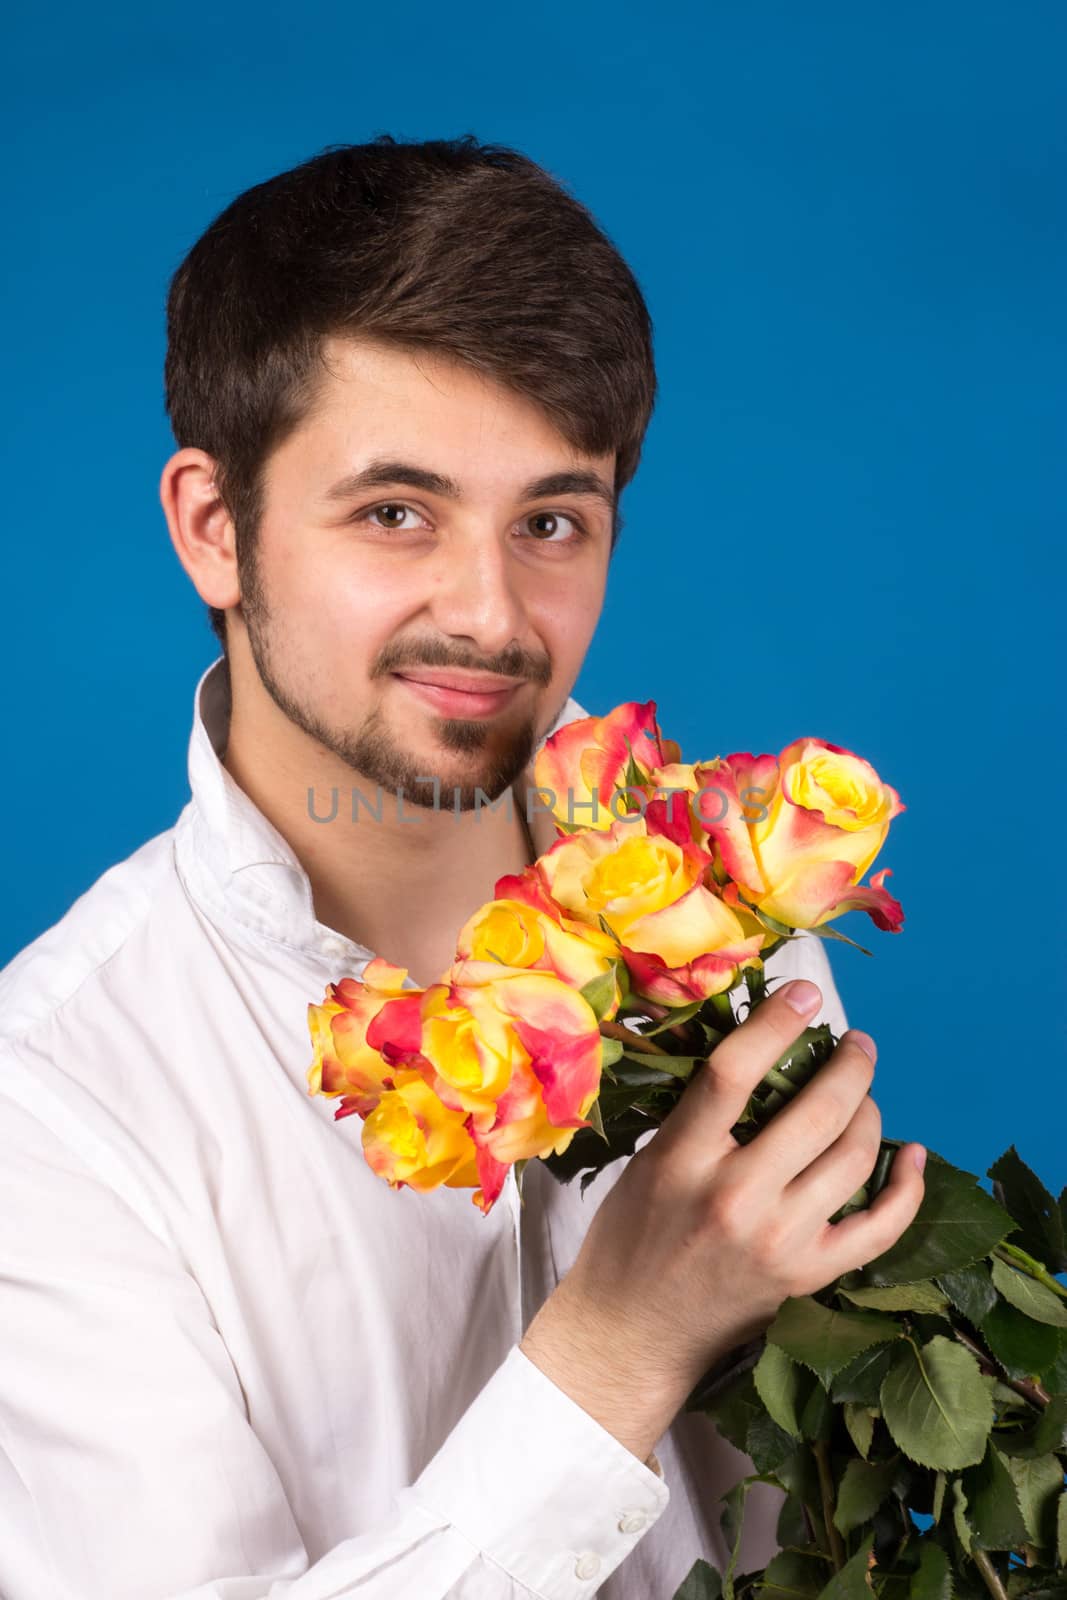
393 508
389 515
556 517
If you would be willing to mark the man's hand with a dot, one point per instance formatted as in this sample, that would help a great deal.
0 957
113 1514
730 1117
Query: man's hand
701 1239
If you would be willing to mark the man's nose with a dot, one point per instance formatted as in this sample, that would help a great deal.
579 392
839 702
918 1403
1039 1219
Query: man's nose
477 593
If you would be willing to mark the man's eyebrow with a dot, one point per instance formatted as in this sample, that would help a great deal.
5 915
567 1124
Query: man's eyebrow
382 472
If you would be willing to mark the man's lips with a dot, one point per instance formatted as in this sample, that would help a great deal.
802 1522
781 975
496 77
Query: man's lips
456 696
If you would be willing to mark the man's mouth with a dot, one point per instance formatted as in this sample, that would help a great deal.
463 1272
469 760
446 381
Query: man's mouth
457 694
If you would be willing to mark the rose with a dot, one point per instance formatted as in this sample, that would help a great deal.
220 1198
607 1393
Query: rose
794 834
411 1138
515 1054
584 762
520 1052
509 1057
680 940
530 931
364 1027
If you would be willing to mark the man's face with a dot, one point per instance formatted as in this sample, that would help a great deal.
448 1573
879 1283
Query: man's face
351 592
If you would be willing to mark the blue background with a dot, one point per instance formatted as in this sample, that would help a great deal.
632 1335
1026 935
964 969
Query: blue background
849 223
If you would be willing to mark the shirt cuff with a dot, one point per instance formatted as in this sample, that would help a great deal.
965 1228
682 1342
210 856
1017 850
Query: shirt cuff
539 1486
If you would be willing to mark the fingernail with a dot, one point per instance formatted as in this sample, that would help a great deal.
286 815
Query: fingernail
865 1042
801 995
919 1158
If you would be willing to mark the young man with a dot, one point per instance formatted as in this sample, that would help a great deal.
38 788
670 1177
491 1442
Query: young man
408 383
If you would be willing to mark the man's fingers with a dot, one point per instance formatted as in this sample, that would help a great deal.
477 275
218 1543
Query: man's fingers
718 1091
863 1235
799 1139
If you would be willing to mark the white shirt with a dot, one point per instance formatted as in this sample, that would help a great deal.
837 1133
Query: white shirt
233 1362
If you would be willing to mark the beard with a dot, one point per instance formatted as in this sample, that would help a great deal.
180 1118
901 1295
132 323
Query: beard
490 755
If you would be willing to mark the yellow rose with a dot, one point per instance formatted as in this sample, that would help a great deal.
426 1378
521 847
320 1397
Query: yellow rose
411 1138
680 940
794 835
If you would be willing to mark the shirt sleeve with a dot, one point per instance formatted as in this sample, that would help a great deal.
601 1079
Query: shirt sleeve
129 1469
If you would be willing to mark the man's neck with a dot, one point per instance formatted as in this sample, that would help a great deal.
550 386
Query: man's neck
398 878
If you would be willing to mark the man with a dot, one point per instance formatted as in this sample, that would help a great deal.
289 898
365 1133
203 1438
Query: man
407 383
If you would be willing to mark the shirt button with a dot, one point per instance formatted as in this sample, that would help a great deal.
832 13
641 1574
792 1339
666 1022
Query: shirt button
587 1565
632 1522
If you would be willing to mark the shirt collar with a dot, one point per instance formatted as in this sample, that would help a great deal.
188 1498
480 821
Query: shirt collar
235 861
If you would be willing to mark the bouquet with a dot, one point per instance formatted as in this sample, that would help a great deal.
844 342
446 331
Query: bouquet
913 1412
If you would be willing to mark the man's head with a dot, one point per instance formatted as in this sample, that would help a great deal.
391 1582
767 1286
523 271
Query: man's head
444 306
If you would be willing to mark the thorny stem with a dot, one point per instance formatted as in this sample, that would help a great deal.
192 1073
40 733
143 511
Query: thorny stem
1033 1269
990 1576
681 1030
637 1041
826 1487
809 1523
1031 1391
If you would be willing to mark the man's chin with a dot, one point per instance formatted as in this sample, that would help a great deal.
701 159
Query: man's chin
439 777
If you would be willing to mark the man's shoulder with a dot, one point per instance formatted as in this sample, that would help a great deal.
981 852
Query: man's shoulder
47 972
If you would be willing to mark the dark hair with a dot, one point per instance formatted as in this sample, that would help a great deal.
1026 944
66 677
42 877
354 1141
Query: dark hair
452 245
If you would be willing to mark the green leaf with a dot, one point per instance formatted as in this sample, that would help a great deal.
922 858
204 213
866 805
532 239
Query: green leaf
600 992
610 1051
1054 1377
596 1121
733 1410
1046 1433
587 1152
863 1487
633 1072
676 1015
702 1582
1023 1348
851 1582
899 1297
1034 1585
792 1525
797 1474
932 1579
861 1380
809 1051
767 1443
676 1066
994 1513
859 1420
778 1383
817 1416
960 1519
793 1574
824 931
971 1290
1038 1482
1040 1220
1029 1296
956 1223
783 929
1061 1529
823 1339
935 1404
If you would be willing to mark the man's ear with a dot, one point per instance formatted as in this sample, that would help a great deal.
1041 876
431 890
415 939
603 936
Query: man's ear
201 530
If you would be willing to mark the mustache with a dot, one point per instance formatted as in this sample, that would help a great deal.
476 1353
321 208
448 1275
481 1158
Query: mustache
508 664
